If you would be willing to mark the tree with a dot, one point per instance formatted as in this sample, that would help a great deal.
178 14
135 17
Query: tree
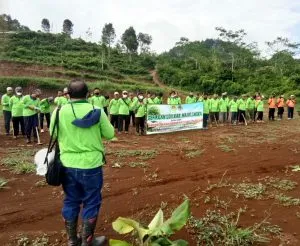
281 44
129 39
45 25
145 41
68 27
183 41
88 34
9 24
108 34
232 36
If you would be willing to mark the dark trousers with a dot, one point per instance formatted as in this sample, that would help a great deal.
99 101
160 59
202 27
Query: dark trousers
105 110
114 120
42 115
122 119
205 120
280 112
82 187
290 113
140 124
132 117
214 117
31 122
7 119
242 116
234 117
271 113
17 123
260 115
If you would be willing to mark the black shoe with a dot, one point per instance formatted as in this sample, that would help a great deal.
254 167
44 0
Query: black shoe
88 238
71 229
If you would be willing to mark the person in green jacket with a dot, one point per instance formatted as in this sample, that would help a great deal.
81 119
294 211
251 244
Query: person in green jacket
242 109
97 99
150 98
174 99
206 106
57 99
250 108
16 106
65 98
214 109
159 99
233 108
114 110
140 114
259 104
133 100
7 109
30 114
81 130
190 98
124 105
45 107
223 104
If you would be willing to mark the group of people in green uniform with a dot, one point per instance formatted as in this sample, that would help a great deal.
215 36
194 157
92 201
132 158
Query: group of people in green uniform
28 112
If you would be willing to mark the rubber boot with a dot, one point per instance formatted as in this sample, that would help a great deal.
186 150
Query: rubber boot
88 230
71 229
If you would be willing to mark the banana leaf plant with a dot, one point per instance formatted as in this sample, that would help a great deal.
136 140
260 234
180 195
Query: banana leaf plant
157 233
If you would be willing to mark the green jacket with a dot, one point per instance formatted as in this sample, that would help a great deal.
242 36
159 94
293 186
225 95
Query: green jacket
140 109
63 101
45 106
132 104
31 106
81 147
16 106
174 100
242 104
223 105
106 103
124 105
250 104
206 106
214 105
233 106
158 100
5 102
56 101
114 106
190 100
150 101
259 105
98 101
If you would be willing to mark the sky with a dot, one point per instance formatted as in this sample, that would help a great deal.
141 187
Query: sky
165 20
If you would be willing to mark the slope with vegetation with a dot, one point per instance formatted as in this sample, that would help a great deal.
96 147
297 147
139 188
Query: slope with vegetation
229 64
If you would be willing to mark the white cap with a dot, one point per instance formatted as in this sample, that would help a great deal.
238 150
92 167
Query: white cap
125 92
116 93
66 90
9 89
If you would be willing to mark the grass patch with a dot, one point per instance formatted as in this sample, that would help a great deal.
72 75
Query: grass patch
193 154
3 183
140 154
287 200
138 164
216 228
18 165
281 184
225 148
249 190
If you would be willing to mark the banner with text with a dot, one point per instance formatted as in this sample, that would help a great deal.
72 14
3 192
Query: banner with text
173 118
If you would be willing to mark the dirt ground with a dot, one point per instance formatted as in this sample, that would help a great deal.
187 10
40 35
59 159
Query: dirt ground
167 168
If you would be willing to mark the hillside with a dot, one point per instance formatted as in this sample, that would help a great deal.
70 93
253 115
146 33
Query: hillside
50 60
215 66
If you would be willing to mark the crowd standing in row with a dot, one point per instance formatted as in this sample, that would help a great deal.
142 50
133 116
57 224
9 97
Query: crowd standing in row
28 112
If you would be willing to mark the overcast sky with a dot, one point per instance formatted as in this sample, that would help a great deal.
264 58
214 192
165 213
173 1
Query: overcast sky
165 20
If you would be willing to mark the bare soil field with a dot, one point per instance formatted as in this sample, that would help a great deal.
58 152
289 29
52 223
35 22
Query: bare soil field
225 169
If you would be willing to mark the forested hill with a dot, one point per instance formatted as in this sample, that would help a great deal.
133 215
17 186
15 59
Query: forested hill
215 66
